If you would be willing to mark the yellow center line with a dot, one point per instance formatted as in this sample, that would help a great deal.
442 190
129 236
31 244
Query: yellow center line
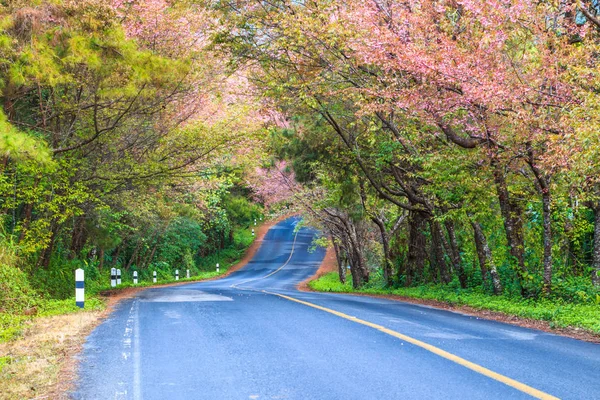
236 285
435 350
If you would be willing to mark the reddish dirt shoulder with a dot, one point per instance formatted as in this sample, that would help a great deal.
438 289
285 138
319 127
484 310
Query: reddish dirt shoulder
329 265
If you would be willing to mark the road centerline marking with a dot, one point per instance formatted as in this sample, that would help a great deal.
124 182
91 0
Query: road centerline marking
236 285
432 349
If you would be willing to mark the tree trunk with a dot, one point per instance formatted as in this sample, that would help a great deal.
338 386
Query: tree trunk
455 253
340 262
542 184
512 220
26 221
116 254
438 251
134 255
387 263
46 256
78 237
486 263
101 258
547 222
596 256
360 273
148 259
354 249
417 246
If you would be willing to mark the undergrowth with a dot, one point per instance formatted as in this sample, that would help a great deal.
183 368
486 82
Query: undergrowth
20 302
558 312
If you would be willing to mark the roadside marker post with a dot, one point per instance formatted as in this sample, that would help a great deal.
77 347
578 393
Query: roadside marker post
154 277
118 277
135 277
252 232
113 277
79 288
217 267
187 274
176 274
254 221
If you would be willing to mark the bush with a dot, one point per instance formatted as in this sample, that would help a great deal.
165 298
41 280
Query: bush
16 295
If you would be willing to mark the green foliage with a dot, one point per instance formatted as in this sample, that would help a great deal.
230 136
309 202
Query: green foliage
21 146
16 294
242 238
67 306
181 236
241 211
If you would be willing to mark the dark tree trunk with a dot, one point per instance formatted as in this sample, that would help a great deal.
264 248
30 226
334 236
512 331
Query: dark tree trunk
455 253
547 222
417 246
148 259
116 255
101 258
26 220
358 267
134 255
486 263
78 237
46 256
511 215
542 184
354 249
438 251
387 263
340 262
596 255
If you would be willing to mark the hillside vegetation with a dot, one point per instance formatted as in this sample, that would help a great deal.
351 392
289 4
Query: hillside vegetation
441 147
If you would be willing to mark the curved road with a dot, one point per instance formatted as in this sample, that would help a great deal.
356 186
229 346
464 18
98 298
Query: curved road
253 336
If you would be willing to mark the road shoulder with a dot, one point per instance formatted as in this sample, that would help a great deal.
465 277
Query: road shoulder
329 265
48 348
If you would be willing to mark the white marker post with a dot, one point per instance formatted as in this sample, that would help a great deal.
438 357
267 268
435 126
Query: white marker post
118 277
135 277
254 221
113 277
187 274
79 288
154 277
252 232
176 274
217 267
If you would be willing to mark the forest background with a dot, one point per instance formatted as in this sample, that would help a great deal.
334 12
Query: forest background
446 149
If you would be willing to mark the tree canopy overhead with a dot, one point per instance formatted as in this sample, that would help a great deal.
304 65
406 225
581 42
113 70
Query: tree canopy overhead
451 142
427 128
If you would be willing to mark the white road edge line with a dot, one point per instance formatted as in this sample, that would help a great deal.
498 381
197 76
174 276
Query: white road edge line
137 387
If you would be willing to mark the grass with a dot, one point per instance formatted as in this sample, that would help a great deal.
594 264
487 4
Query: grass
38 337
557 312
13 321
32 364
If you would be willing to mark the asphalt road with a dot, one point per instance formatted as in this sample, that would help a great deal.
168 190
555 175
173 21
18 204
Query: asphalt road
253 336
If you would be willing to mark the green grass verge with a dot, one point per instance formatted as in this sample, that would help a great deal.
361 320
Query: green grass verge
557 313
